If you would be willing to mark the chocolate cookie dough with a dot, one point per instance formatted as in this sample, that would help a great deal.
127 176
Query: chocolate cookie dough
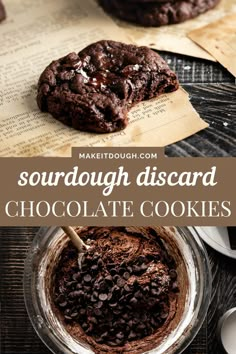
94 89
2 12
123 296
159 12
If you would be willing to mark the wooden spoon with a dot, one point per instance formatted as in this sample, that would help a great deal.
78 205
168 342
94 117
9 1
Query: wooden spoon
76 240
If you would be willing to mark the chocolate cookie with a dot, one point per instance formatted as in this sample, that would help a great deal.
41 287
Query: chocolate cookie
157 13
2 12
94 89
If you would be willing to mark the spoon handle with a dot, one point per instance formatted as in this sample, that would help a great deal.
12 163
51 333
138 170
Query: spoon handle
77 242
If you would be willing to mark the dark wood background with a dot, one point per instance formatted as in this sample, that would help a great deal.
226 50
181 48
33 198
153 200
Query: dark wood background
212 91
213 94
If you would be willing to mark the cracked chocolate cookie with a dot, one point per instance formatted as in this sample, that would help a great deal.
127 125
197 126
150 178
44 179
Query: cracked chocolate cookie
159 12
94 89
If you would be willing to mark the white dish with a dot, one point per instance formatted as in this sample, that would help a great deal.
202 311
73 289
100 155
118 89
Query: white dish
217 238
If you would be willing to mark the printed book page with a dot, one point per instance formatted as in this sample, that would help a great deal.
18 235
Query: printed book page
219 39
24 130
173 38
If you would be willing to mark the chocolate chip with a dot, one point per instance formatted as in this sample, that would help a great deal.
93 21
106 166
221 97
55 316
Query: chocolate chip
76 276
96 286
97 312
109 279
141 259
152 302
68 318
122 298
173 274
96 256
169 259
118 341
127 288
133 301
70 283
141 326
115 289
87 278
100 263
74 315
120 282
93 298
113 304
102 297
125 316
128 296
116 277
63 304
136 269
130 269
175 287
155 292
144 266
117 311
93 320
113 271
111 265
121 321
126 275
103 285
75 294
146 289
132 335
104 335
138 295
82 312
164 315
154 285
121 271
94 268
71 302
60 298
99 304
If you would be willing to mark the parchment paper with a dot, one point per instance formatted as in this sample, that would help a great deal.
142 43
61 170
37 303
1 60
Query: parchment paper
49 30
173 38
219 39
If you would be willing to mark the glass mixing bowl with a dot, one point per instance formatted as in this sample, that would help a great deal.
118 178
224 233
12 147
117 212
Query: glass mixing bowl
44 253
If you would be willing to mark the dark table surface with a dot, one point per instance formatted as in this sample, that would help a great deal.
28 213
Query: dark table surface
213 93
